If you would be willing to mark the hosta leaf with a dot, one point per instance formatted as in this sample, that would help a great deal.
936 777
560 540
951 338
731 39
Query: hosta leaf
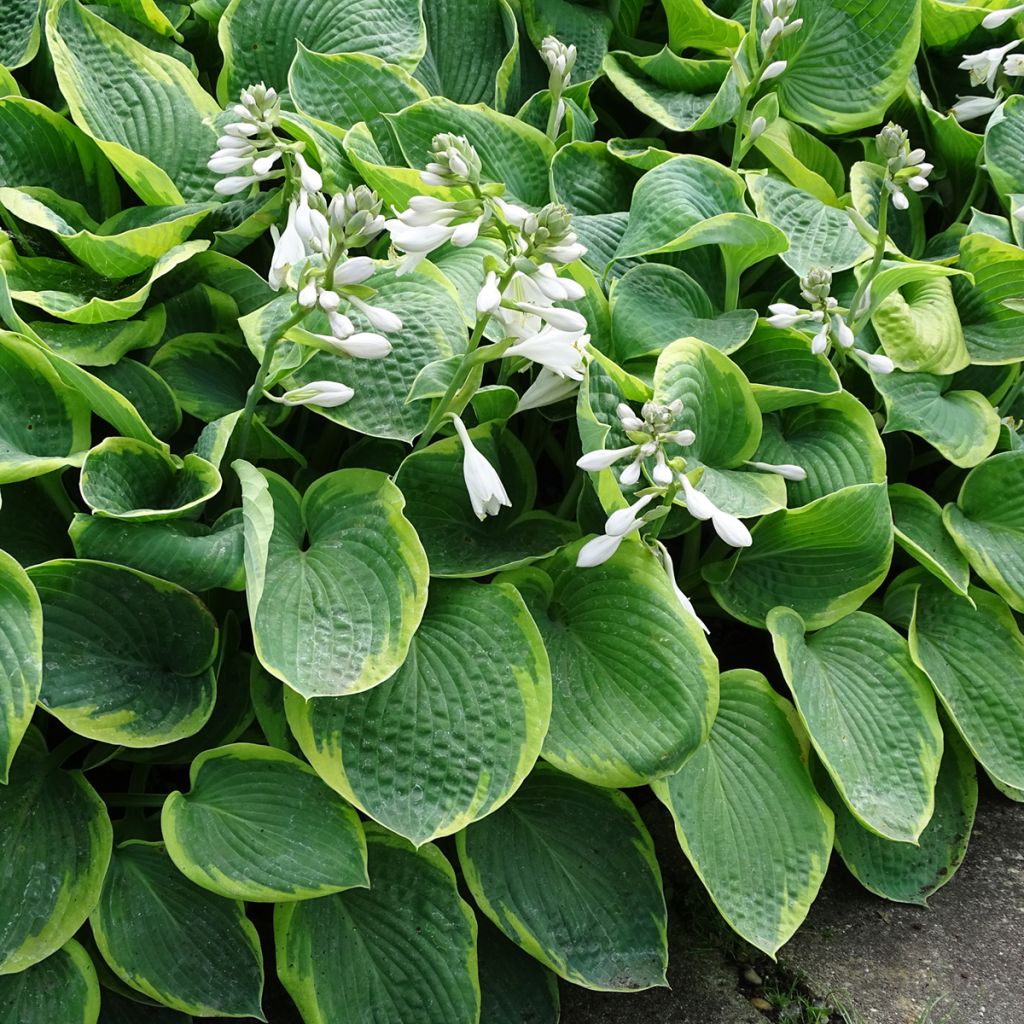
680 93
904 228
822 560
259 37
836 442
510 151
62 989
42 147
19 34
588 27
471 702
101 344
208 373
127 479
21 657
43 425
974 657
514 988
803 158
919 529
126 656
820 235
591 911
128 243
192 555
346 88
748 817
1004 146
472 51
69 292
403 950
634 679
336 580
987 523
174 942
870 713
961 425
258 824
692 24
653 305
901 871
994 332
102 73
432 329
919 328
718 404
56 839
147 393
782 370
456 542
848 62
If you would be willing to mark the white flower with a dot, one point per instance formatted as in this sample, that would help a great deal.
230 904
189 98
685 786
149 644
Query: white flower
605 458
489 298
547 388
666 563
560 351
967 108
362 345
560 60
428 223
785 314
1014 65
842 331
234 184
878 363
308 177
999 18
699 505
380 318
984 66
774 70
726 525
624 521
757 127
899 200
819 343
787 470
288 248
620 524
556 316
486 493
355 270
598 550
325 393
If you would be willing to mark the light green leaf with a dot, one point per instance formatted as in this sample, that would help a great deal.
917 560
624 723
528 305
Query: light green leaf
987 524
848 62
804 159
126 656
56 839
43 425
900 871
560 895
19 34
822 560
961 425
634 679
260 37
102 73
653 305
21 657
403 950
174 942
747 815
471 702
974 657
1004 147
692 24
510 151
836 442
101 344
994 331
62 989
587 27
870 714
782 370
258 824
917 521
456 542
336 580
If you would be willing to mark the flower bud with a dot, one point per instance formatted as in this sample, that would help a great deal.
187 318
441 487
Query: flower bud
453 161
774 69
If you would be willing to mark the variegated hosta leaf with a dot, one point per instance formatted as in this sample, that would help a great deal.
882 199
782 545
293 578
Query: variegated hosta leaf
748 817
919 529
55 838
634 680
62 989
174 942
782 370
403 950
126 657
870 714
464 717
336 580
535 869
21 657
513 986
259 825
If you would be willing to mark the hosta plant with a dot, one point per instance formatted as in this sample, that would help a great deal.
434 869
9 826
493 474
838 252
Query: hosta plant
434 432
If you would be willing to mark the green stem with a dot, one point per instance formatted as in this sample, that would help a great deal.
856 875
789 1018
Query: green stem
667 499
135 800
66 748
732 286
552 129
256 391
976 187
572 497
737 140
876 261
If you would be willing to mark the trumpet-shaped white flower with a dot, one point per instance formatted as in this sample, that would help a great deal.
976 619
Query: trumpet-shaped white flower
967 108
877 362
786 470
289 249
562 352
619 525
1014 65
726 525
774 69
326 393
999 18
547 388
489 298
487 494
983 67
429 222
666 563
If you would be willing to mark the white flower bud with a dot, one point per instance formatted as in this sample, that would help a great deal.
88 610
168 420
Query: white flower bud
625 520
326 393
757 127
353 271
489 298
878 363
597 551
731 529
487 495
819 343
381 319
899 200
774 70
364 345
999 18
604 458
787 470
308 177
700 506
307 295
630 475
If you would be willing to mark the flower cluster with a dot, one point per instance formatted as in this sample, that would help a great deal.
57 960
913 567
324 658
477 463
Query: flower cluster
250 149
983 69
903 166
779 22
559 60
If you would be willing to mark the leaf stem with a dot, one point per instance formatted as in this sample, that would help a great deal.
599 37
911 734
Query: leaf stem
876 261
